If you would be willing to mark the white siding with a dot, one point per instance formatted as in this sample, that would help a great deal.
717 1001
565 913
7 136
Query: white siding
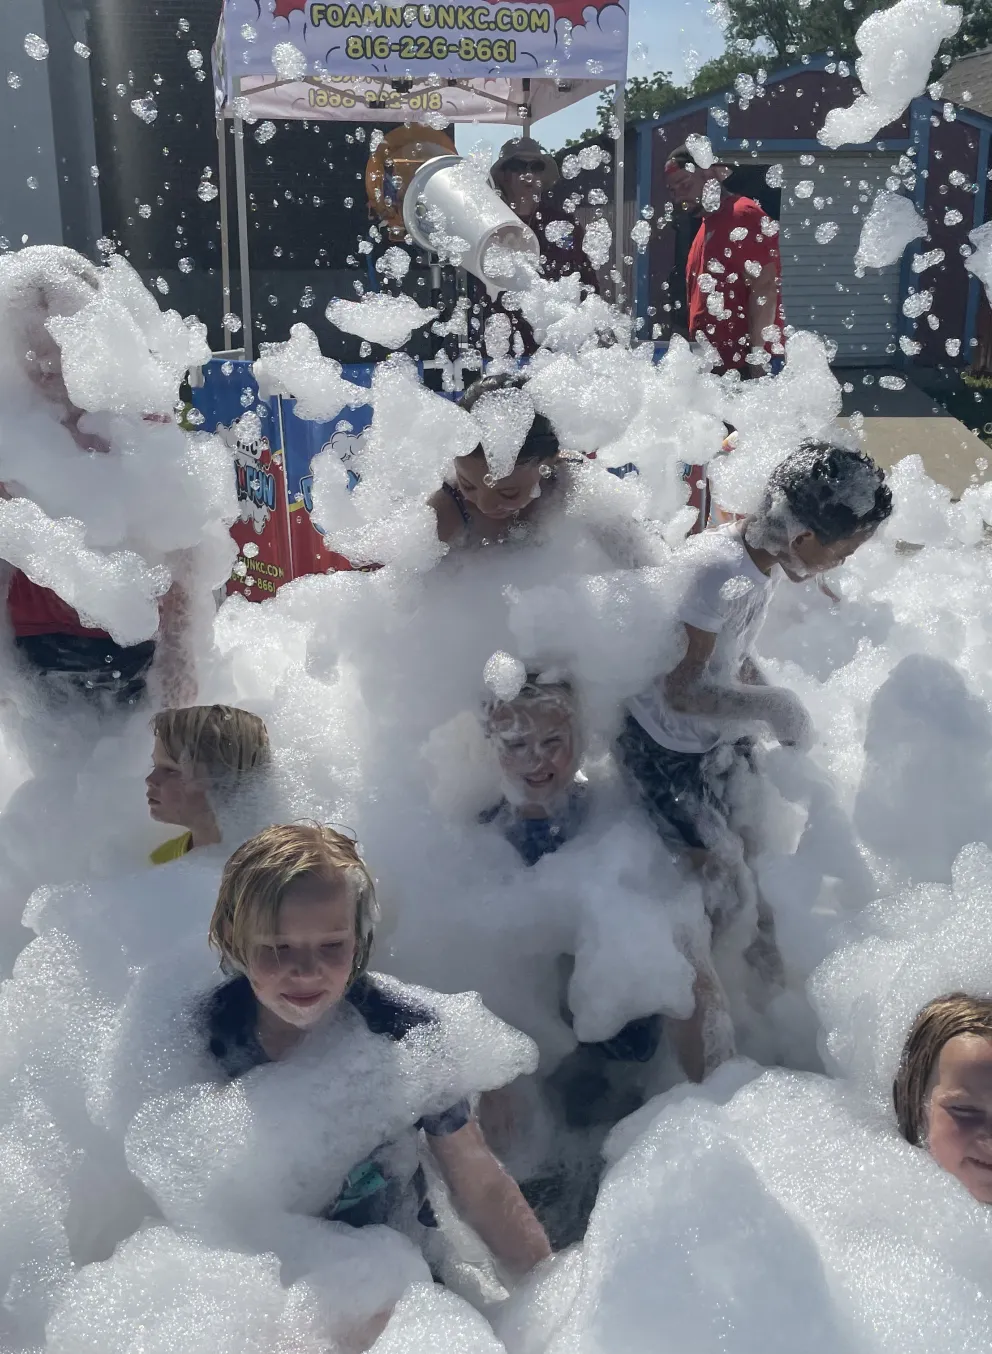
819 288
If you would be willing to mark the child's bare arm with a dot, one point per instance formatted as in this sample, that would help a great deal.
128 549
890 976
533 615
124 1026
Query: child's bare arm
690 689
490 1200
173 660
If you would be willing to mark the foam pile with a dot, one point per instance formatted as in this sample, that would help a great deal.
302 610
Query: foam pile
147 1202
110 532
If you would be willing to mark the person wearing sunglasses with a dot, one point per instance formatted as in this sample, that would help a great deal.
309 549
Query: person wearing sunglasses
525 178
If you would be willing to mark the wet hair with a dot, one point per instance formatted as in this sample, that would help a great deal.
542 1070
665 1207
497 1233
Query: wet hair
829 490
536 690
939 1022
219 741
540 444
256 878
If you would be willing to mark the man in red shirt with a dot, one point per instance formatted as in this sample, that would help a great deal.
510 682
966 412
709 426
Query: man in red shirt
733 286
733 275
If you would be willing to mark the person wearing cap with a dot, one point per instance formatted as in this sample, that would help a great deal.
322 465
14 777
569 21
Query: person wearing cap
525 176
733 273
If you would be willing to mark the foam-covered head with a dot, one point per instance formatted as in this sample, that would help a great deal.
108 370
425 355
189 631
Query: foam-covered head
539 448
821 504
205 756
38 284
943 1091
537 740
686 179
296 914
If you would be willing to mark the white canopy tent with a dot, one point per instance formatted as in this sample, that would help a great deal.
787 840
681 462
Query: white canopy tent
503 61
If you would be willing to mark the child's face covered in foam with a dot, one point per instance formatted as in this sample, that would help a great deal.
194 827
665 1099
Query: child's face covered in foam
959 1132
303 970
808 557
536 746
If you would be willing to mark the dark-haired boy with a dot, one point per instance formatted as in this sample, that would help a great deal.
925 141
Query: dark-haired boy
686 741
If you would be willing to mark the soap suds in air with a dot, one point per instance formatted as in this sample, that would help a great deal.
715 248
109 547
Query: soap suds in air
144 1202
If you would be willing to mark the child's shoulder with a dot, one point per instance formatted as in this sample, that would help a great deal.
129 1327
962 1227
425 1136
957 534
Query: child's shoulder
719 550
227 1019
387 1007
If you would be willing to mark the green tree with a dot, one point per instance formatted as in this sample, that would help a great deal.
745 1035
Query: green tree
649 97
645 97
794 27
722 71
975 31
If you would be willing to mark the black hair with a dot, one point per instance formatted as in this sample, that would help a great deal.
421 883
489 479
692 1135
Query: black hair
831 491
540 444
684 158
681 156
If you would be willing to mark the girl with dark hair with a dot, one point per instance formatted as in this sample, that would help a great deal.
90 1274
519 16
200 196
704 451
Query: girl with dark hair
476 508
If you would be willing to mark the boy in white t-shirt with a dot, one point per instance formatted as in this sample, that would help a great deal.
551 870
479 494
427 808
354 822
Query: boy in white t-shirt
686 742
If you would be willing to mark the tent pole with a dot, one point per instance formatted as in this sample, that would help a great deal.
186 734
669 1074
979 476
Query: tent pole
239 171
225 224
619 187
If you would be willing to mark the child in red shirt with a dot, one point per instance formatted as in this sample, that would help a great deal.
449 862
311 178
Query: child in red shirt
72 656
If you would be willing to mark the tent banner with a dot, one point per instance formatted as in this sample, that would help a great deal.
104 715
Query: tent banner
297 40
336 98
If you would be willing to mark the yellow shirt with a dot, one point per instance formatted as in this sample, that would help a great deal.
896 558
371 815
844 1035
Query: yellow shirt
172 850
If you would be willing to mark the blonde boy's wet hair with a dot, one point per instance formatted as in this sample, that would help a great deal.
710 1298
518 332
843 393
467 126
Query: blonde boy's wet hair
258 874
937 1024
557 692
218 741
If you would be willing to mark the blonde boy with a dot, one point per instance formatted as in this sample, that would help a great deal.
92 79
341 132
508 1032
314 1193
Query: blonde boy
204 756
294 922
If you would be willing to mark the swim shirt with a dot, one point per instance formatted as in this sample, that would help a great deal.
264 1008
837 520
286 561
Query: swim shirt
174 849
373 1192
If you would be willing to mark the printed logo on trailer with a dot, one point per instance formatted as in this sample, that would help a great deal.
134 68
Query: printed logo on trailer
345 445
253 477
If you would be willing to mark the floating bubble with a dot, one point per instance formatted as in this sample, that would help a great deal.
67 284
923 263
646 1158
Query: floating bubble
36 47
144 109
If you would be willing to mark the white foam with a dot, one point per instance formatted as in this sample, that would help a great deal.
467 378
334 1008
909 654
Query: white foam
298 369
889 228
897 46
147 1200
379 318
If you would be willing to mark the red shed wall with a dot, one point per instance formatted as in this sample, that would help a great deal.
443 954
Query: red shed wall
794 109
